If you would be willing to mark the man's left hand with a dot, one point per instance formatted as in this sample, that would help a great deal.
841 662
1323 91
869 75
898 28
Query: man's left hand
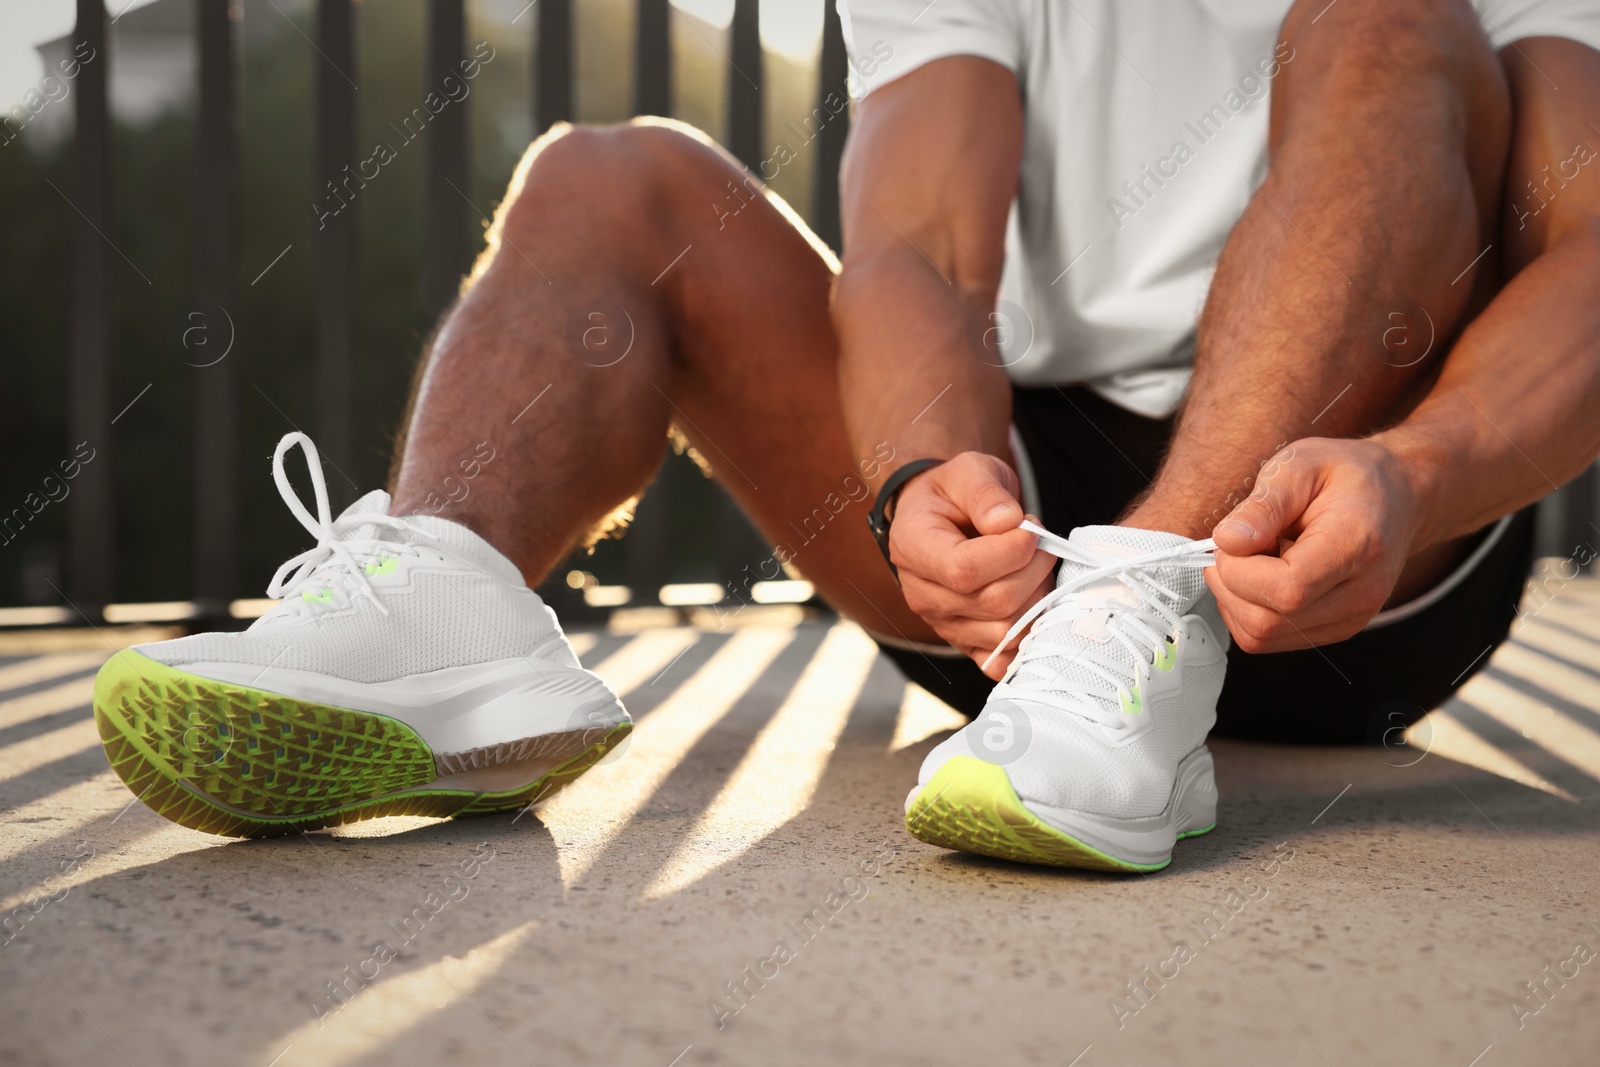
1317 548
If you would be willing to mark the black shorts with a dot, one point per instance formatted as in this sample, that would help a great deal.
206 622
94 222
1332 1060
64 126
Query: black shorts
1091 457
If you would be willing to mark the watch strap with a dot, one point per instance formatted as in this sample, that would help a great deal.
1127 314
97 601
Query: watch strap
879 518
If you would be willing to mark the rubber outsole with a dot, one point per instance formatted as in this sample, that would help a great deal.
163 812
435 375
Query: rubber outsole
970 805
240 762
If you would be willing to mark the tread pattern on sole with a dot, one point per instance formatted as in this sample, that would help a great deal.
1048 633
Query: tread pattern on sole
241 762
969 805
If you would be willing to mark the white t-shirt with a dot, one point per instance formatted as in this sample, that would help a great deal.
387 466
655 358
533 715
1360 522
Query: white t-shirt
1145 132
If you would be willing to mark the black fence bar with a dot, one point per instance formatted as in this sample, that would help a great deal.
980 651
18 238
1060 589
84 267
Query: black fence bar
736 542
647 548
833 95
333 243
91 513
552 64
216 286
444 237
746 76
1578 513
552 103
652 58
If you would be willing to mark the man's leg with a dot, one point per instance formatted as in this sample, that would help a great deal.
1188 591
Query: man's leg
636 277
1389 130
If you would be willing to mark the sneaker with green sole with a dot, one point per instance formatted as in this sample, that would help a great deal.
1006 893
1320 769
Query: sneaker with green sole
407 670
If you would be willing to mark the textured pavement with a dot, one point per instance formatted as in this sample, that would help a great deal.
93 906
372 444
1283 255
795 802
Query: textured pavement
737 888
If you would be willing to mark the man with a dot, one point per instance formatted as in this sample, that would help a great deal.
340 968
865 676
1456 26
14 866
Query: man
1060 224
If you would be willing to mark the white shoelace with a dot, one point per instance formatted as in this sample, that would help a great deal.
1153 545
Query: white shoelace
1130 625
331 560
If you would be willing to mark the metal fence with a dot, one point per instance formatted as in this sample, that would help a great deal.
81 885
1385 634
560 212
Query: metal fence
1569 518
215 580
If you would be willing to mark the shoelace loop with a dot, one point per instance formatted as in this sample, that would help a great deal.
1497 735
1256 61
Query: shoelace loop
1072 598
329 547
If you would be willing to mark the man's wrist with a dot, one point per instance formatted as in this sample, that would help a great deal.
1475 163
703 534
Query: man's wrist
1425 465
881 516
895 482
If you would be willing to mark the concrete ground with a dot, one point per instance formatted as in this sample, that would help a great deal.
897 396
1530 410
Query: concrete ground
1353 907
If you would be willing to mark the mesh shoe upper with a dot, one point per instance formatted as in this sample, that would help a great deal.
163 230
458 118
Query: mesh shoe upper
1058 723
382 597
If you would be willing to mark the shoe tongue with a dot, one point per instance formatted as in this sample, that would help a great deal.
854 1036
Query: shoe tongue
374 503
1125 542
1115 542
452 537
351 524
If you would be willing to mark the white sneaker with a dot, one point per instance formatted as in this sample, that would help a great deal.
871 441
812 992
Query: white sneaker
1091 751
408 670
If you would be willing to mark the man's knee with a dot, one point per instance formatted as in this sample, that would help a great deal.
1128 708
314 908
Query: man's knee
1372 43
607 170
1424 64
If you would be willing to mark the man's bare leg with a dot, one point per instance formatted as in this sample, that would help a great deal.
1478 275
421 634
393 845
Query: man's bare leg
626 289
1389 130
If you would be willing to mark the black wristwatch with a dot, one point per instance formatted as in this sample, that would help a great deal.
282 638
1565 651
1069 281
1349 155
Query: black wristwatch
879 518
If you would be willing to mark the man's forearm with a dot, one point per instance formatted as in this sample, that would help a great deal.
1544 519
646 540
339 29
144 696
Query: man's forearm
1514 412
926 183
911 370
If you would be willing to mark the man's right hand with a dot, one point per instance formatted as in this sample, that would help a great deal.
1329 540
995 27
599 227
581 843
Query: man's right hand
964 565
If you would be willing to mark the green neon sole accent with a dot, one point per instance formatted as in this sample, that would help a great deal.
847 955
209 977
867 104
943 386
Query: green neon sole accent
970 805
241 762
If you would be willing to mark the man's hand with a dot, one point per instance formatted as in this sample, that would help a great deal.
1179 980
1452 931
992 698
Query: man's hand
1316 550
964 565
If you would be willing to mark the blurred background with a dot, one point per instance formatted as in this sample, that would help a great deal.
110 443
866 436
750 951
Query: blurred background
200 252
180 284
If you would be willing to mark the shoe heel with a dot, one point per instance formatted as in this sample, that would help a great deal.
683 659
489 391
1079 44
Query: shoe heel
1197 794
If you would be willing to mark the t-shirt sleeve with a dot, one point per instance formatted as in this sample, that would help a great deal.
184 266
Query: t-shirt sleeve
890 38
1512 20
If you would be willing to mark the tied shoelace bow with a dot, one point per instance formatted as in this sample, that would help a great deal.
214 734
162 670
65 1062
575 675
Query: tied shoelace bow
1073 600
330 549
